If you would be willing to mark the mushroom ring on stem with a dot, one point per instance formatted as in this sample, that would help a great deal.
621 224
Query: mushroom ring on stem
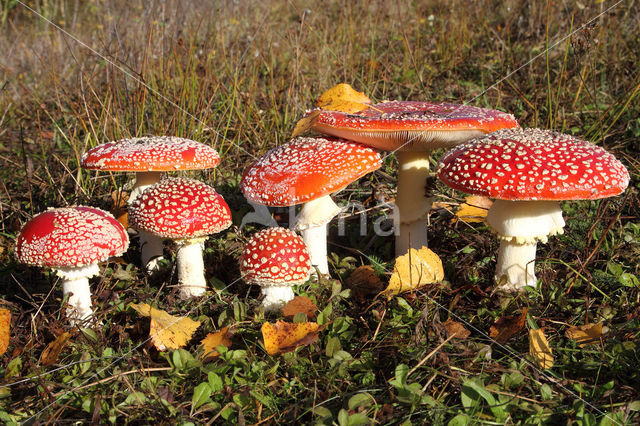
306 171
186 211
276 259
413 129
150 157
529 171
72 241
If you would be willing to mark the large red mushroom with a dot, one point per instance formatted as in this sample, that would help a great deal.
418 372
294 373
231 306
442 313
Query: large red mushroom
412 130
72 241
186 211
529 171
307 171
150 157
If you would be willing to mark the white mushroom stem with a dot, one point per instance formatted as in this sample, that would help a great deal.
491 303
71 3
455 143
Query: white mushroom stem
150 246
412 202
143 181
75 287
312 225
276 296
515 266
151 251
520 225
190 266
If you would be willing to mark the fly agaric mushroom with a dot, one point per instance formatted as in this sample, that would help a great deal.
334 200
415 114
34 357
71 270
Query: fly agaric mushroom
413 129
72 241
529 171
186 211
308 170
276 259
149 157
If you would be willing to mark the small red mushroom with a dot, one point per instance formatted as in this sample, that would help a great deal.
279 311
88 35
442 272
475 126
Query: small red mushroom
276 259
413 129
149 157
72 241
529 171
186 211
309 170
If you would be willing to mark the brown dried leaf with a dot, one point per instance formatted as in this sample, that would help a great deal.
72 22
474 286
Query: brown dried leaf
585 334
364 282
212 341
343 98
300 304
474 209
167 331
286 336
413 270
305 123
539 348
5 327
506 327
52 351
456 329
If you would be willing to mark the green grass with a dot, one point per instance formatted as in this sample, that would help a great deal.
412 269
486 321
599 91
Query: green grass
237 76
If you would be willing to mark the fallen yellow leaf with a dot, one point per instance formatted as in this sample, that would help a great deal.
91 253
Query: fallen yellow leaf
286 336
413 270
505 327
212 341
585 334
474 209
52 351
456 329
305 123
300 304
343 98
539 348
5 327
167 331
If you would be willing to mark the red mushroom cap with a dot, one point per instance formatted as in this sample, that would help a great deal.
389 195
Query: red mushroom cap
306 169
179 208
70 237
408 125
533 164
147 154
275 256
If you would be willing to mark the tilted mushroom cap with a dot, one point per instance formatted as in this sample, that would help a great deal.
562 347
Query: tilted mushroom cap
306 169
275 256
533 164
70 237
156 153
412 125
179 208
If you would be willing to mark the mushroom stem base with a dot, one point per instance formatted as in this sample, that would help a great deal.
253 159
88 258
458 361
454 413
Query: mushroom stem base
312 224
79 299
515 267
190 264
412 235
275 297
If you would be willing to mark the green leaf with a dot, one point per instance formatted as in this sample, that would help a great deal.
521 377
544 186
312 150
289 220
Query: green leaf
358 419
472 390
333 346
545 392
628 280
460 420
215 382
358 400
343 417
201 394
13 368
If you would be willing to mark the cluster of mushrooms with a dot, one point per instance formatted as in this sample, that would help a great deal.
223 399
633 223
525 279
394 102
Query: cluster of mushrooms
527 171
